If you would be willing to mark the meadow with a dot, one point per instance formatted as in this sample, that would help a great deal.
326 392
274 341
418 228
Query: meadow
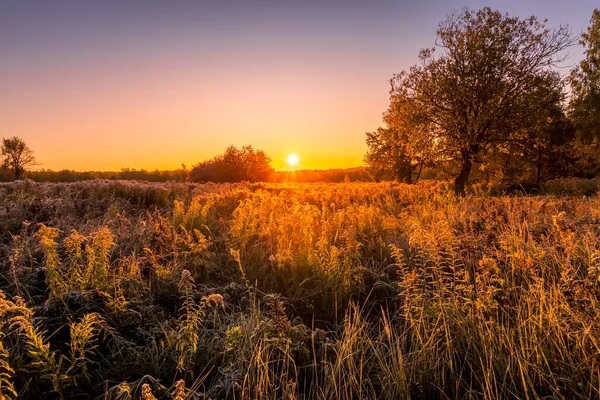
132 290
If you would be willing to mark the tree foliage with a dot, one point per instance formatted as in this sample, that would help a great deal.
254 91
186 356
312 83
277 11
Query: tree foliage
585 101
387 154
17 156
467 95
402 148
538 147
234 165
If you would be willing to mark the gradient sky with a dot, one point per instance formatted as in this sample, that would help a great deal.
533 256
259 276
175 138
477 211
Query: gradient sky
100 85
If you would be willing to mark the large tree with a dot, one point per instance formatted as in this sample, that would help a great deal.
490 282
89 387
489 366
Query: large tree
585 101
469 92
17 156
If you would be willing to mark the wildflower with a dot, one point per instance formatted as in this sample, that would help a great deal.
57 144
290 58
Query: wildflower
186 282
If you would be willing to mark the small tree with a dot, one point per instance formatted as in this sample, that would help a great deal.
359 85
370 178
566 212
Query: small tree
470 92
405 146
17 156
548 137
386 155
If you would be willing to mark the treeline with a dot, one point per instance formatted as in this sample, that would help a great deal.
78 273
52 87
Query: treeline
358 174
46 175
487 104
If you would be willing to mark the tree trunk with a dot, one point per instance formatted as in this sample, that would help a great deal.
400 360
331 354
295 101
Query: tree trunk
463 175
418 173
409 174
19 172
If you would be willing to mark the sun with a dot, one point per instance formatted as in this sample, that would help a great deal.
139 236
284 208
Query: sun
293 159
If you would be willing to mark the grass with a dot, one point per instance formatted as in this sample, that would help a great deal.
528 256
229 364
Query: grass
125 290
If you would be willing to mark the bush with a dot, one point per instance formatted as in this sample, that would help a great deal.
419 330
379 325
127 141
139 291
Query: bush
572 187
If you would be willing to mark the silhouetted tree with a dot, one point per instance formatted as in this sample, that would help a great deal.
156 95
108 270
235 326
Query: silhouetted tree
469 94
585 101
234 165
17 156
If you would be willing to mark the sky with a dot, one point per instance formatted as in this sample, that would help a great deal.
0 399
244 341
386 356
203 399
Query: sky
104 85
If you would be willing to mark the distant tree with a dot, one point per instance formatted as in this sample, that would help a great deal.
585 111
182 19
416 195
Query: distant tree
584 108
356 174
469 94
234 165
17 156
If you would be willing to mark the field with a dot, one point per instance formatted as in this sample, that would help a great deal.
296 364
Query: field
128 290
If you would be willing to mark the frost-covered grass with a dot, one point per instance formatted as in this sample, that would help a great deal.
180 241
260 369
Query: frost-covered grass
358 290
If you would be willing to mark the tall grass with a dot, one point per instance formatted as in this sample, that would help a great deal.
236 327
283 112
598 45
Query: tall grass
295 291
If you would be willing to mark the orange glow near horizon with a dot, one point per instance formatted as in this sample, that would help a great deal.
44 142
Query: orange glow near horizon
140 122
153 94
126 118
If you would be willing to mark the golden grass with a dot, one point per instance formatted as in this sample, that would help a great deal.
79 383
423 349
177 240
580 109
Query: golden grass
282 291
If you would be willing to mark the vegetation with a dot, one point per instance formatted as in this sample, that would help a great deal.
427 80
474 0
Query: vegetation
335 175
234 165
17 156
45 175
585 103
491 98
135 290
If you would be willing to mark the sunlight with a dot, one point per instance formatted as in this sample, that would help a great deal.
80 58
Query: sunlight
293 160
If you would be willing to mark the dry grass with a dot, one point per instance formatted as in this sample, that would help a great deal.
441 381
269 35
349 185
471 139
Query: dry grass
126 290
